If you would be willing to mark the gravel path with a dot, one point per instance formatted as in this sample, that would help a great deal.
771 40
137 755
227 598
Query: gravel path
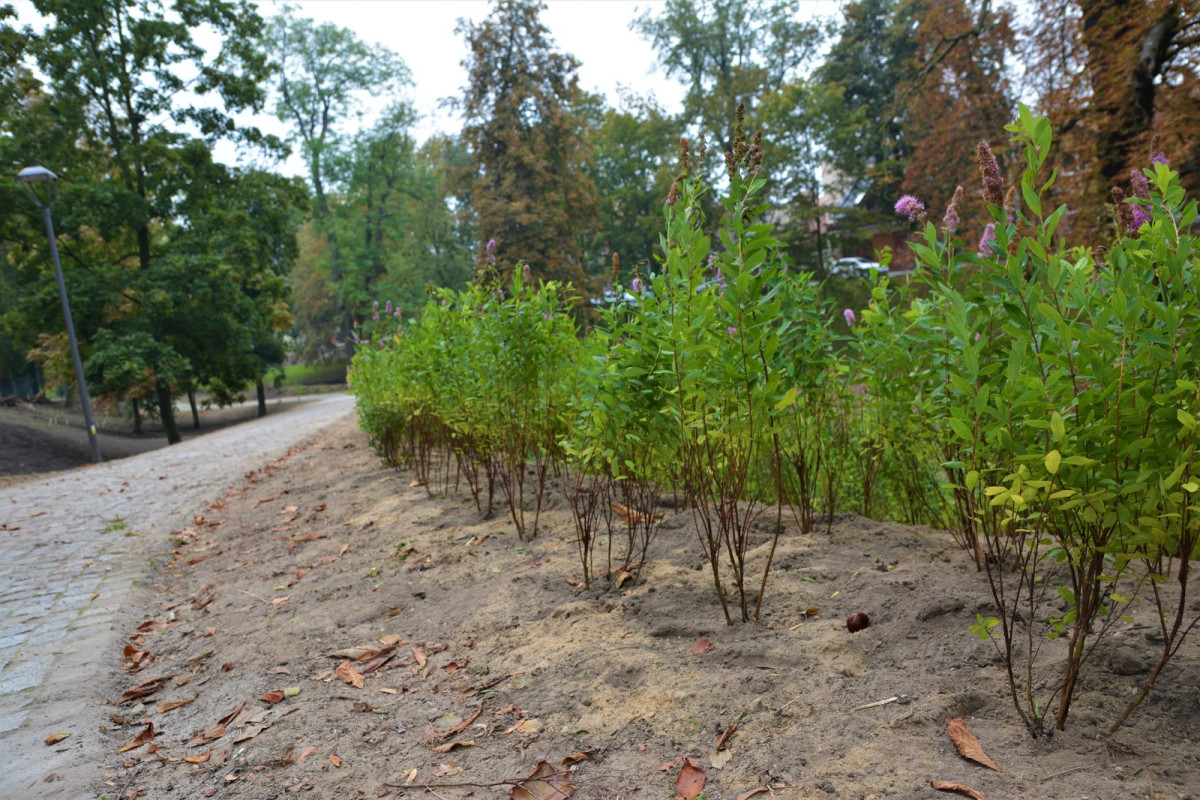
73 548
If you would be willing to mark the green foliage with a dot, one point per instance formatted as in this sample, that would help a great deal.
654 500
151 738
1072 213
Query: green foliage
1067 411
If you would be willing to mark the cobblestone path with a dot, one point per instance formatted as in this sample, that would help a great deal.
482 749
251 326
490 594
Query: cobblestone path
73 547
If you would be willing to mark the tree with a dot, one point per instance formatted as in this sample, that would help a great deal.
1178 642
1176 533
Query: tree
634 159
730 53
325 72
122 63
528 147
1114 76
914 86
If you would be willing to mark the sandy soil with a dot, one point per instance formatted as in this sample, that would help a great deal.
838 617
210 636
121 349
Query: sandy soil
327 550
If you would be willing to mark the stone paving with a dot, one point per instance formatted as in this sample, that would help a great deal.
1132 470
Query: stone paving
73 549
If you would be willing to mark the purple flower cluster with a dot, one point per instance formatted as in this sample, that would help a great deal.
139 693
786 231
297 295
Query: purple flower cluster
989 171
985 241
849 316
911 207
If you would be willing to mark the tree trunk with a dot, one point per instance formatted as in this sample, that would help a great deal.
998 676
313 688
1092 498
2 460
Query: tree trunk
166 412
137 416
1127 47
192 402
262 398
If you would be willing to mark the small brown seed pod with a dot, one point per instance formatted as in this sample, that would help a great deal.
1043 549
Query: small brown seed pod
857 621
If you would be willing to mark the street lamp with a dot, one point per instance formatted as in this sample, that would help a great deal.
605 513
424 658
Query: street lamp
34 178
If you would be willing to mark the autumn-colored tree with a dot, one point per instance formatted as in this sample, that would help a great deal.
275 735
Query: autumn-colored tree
918 85
528 147
956 94
1114 76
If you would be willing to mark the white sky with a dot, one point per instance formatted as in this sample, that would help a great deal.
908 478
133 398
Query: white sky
596 32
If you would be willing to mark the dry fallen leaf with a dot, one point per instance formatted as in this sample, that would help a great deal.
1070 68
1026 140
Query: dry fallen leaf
55 738
412 776
582 755
228 718
198 759
689 783
144 688
333 759
968 746
448 746
702 645
462 726
420 656
720 758
142 738
165 707
723 740
305 753
947 786
272 697
751 793
278 601
544 783
347 673
206 737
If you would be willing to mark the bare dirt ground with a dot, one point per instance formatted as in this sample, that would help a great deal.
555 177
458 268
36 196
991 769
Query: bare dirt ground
478 659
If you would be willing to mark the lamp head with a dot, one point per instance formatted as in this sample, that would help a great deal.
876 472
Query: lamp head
36 174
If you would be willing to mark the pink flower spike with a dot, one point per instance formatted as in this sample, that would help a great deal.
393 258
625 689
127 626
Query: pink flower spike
850 318
732 330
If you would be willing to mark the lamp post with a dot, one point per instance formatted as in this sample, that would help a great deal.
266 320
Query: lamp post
33 178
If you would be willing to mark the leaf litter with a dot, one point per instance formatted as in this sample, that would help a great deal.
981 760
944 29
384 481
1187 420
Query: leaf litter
584 655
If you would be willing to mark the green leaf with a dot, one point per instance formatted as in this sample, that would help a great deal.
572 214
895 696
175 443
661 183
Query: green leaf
1053 460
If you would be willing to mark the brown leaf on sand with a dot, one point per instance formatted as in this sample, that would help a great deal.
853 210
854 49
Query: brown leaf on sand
145 737
632 516
752 792
228 718
448 746
209 735
55 738
198 759
144 688
462 726
346 672
165 707
421 657
582 755
947 786
723 740
968 746
273 697
623 576
544 783
702 645
689 783
305 753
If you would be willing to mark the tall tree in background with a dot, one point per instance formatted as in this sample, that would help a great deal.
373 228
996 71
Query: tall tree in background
957 94
1112 75
528 149
635 151
325 73
730 53
121 63
915 85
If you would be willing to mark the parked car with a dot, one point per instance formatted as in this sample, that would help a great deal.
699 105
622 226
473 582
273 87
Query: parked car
854 267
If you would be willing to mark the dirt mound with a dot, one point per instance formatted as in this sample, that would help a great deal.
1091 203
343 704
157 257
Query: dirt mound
478 658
